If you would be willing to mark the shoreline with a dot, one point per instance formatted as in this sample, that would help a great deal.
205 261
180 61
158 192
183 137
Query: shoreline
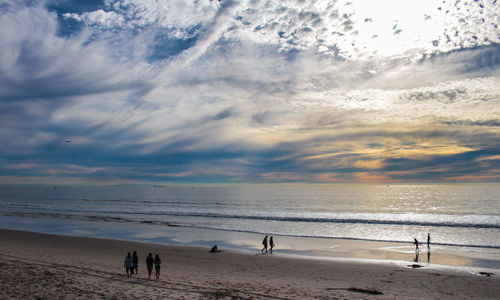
82 267
465 258
92 218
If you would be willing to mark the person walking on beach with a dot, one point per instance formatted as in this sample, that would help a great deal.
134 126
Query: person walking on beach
264 243
149 264
428 241
136 261
271 244
157 263
416 244
129 264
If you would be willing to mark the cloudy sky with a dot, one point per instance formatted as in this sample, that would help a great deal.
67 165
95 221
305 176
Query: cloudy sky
144 91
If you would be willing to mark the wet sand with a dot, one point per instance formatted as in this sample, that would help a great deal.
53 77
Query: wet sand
42 266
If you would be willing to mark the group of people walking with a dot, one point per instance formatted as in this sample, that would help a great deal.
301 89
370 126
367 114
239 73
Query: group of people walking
131 264
271 244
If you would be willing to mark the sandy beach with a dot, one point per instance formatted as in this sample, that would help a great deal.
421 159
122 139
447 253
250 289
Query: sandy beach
41 266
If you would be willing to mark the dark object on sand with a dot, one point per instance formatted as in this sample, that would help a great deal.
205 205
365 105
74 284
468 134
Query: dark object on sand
415 266
486 274
365 291
214 249
357 290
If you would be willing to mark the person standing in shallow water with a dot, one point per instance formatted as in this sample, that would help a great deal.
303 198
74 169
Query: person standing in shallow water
271 244
136 262
157 263
149 264
416 244
264 243
428 241
128 264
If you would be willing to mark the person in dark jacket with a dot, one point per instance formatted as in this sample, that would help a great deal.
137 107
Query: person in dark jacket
264 243
271 244
149 264
136 261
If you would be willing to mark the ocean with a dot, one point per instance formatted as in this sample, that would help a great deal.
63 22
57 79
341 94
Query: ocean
455 215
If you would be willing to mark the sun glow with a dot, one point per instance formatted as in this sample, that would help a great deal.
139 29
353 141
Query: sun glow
399 27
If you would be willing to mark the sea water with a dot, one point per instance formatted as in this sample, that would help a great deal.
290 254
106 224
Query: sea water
463 215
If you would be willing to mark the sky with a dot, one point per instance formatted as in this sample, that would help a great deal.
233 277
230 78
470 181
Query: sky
221 91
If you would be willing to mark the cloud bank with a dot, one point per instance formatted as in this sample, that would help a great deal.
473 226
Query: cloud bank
136 91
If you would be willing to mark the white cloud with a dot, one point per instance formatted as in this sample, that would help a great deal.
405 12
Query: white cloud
104 19
358 29
364 29
182 18
238 87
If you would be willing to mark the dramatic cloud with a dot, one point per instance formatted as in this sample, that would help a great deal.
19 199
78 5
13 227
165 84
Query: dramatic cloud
131 91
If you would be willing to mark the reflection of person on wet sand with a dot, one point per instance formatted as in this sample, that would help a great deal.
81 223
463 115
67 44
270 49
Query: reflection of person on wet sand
429 256
416 256
416 244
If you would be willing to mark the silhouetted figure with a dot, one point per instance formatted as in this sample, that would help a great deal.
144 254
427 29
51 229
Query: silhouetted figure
214 249
157 263
416 244
149 264
416 257
428 241
264 243
136 261
128 264
271 244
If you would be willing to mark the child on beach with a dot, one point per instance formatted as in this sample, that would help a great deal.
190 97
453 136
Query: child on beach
157 263
129 264
136 261
149 264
